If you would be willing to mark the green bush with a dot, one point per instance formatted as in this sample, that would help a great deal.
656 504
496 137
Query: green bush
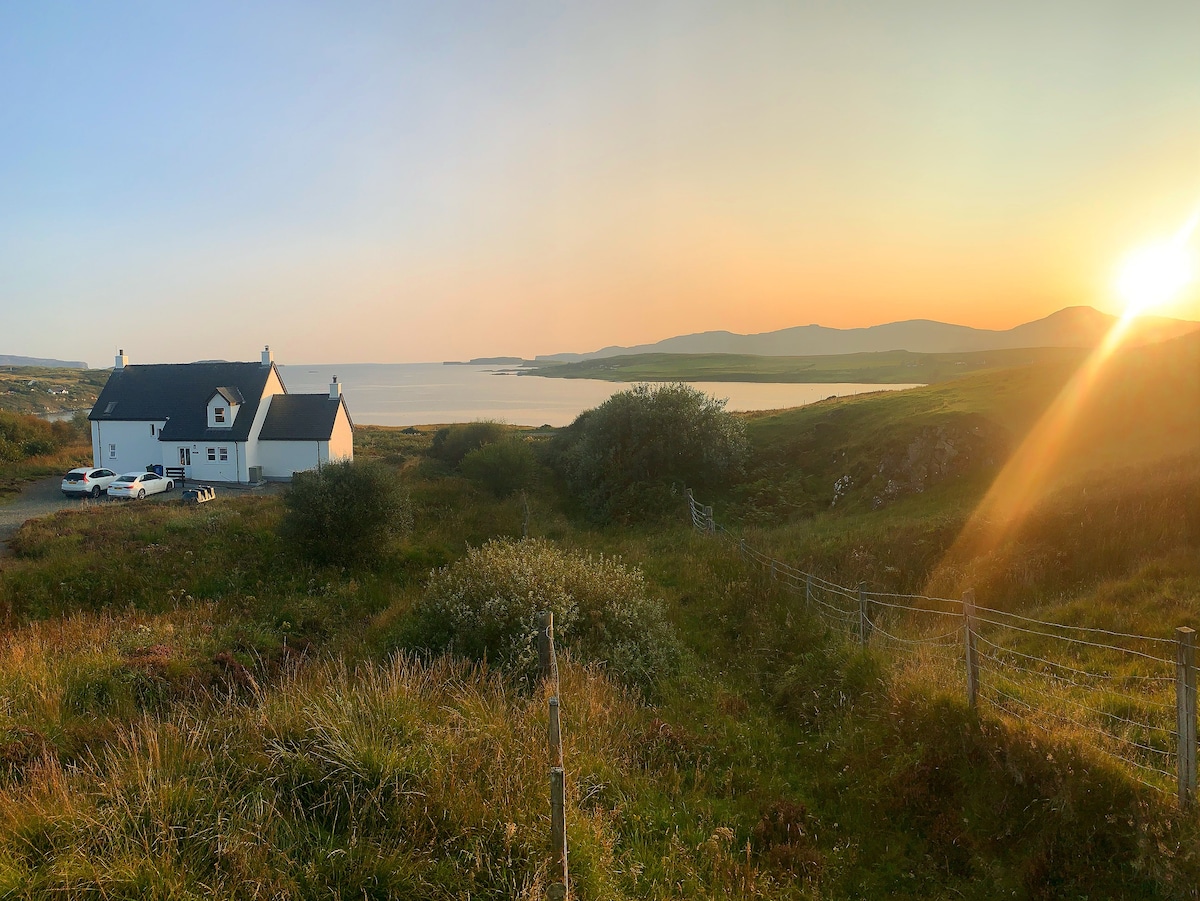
344 513
454 442
503 467
486 605
23 436
635 453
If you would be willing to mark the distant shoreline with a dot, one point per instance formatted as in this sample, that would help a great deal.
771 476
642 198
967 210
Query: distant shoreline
884 368
487 361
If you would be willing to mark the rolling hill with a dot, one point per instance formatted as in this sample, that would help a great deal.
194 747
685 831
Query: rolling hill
1070 327
12 360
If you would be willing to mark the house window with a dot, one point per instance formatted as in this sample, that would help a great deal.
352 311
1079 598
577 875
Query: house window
112 452
212 454
224 453
218 414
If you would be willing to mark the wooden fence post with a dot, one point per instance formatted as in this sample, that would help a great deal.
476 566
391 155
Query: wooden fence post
1185 711
556 752
742 548
558 833
710 525
691 499
864 617
808 589
972 658
773 576
547 659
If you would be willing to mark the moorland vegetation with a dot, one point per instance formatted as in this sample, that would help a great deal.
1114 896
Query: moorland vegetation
31 448
195 706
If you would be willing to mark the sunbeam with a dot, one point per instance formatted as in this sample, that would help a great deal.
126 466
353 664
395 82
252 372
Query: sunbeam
1148 278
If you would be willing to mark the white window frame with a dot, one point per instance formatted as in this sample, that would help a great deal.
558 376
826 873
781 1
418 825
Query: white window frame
223 454
112 452
218 414
212 454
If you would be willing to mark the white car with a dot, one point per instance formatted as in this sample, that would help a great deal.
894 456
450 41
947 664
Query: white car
87 481
139 484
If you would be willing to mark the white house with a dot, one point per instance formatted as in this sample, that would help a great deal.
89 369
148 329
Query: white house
219 422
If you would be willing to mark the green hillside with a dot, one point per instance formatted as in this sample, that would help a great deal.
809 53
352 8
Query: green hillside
37 389
192 710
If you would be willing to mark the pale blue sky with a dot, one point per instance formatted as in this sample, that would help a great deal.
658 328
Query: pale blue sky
391 182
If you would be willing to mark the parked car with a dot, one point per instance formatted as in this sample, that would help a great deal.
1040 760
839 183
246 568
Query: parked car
139 484
87 481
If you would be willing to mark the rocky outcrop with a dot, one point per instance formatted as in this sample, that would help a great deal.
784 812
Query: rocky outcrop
936 454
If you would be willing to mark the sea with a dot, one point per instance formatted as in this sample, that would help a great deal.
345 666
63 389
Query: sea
404 394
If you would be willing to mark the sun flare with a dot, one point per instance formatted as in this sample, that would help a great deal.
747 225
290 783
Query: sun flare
1154 275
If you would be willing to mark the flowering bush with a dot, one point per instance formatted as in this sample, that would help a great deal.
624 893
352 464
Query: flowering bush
486 605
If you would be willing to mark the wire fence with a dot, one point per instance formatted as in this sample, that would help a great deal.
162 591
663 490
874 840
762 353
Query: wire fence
1132 696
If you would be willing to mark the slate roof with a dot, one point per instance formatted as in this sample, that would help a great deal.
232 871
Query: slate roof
301 417
232 395
179 394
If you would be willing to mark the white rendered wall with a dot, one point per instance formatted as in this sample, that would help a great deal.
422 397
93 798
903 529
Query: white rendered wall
341 443
203 470
252 455
279 459
137 448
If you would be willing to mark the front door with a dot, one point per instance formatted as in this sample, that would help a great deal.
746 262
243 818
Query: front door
185 456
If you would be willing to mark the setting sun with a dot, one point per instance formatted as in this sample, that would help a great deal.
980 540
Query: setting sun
1154 275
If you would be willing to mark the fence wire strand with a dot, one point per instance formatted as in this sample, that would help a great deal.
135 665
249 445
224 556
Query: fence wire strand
826 599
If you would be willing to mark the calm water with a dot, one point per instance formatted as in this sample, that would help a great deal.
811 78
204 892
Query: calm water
426 393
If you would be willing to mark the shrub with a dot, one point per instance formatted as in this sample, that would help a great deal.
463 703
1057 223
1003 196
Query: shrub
485 606
23 436
344 513
453 443
635 452
503 467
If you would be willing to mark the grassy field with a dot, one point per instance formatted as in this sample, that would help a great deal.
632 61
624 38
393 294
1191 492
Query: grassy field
190 710
898 367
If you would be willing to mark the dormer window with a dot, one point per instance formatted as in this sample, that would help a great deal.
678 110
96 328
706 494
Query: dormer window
223 407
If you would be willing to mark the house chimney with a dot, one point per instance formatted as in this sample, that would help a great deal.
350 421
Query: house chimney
122 360
335 389
267 359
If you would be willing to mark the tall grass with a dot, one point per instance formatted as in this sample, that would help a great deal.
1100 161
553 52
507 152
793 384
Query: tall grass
399 780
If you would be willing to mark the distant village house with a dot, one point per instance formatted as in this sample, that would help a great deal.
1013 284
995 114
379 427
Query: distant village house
219 422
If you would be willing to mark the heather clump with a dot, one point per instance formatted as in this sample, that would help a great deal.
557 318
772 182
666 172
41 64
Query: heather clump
486 607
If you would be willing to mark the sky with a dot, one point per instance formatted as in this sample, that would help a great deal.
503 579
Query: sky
395 182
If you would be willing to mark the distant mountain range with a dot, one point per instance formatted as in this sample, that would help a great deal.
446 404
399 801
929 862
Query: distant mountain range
10 360
1072 327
